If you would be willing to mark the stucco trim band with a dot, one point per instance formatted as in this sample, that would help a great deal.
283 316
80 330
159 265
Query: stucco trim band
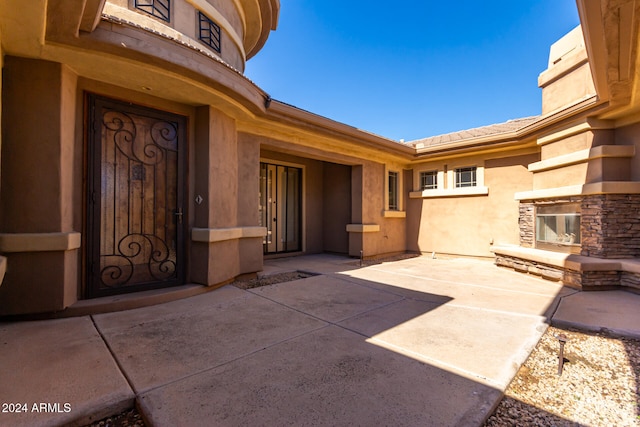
581 156
39 242
212 235
590 124
363 228
454 192
606 187
394 214
565 66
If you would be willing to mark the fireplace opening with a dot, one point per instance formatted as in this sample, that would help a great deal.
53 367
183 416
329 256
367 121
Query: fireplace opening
558 227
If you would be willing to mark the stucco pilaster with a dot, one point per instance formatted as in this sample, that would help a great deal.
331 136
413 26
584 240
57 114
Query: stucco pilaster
37 178
226 241
356 233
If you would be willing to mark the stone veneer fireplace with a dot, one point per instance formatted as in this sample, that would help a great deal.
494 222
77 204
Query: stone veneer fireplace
602 254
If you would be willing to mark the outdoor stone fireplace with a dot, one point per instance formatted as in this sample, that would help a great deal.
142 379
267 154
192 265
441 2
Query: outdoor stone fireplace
587 242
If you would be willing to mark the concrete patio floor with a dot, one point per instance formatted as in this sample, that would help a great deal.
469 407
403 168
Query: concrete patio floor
413 342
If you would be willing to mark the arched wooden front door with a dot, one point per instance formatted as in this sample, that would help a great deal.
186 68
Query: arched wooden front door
135 198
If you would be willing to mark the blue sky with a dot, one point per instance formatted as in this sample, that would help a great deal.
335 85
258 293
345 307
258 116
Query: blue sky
412 68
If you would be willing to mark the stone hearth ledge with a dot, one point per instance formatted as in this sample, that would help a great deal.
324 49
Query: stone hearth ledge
573 262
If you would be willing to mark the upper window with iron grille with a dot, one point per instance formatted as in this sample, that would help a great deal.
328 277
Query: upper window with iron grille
209 32
160 9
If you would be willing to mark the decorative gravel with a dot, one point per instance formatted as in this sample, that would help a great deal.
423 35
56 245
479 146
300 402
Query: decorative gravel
599 385
129 418
271 279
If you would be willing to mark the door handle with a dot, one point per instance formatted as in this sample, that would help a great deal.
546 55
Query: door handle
178 215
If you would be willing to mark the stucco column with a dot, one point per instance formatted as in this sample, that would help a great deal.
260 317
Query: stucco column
251 249
226 241
356 232
36 203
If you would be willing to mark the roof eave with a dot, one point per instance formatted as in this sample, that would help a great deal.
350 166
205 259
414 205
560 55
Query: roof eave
295 116
529 132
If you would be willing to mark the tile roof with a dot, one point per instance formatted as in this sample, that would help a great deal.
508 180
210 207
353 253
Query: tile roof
469 134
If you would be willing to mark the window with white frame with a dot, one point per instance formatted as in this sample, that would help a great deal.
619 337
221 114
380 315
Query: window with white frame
160 9
428 180
393 191
465 177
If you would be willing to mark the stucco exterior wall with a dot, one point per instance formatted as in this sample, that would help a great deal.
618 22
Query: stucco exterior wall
36 207
135 58
391 237
568 77
576 142
184 25
628 135
248 178
568 88
469 225
217 183
336 207
232 126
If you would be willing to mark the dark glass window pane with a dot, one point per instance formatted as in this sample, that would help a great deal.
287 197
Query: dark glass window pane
466 177
393 191
428 180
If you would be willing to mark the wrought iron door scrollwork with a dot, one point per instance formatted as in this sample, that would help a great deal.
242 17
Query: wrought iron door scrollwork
163 135
145 252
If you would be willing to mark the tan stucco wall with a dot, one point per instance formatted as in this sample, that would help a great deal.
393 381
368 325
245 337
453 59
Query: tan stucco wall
231 128
248 179
568 77
43 153
336 212
392 235
226 178
628 135
468 225
568 89
576 142
220 174
39 100
184 25
580 153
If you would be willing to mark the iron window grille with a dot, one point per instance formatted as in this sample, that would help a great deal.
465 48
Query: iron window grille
466 177
160 9
209 32
429 180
